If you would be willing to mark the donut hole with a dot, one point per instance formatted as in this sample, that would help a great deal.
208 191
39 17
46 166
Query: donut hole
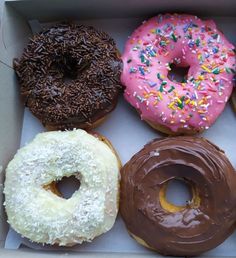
178 73
178 192
70 68
65 187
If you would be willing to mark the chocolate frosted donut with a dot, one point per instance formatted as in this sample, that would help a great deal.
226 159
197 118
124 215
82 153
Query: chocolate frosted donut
205 222
70 76
233 99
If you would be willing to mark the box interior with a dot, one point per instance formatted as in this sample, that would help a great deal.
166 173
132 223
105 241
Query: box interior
118 18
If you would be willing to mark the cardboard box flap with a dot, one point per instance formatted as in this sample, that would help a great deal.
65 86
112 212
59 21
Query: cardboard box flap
45 10
27 253
11 114
14 34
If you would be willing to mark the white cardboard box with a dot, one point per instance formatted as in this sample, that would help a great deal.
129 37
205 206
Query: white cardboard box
124 128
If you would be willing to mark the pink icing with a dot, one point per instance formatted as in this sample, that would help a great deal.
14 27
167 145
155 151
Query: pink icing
184 40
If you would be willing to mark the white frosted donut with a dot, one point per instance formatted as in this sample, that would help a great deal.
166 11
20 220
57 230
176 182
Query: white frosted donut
44 217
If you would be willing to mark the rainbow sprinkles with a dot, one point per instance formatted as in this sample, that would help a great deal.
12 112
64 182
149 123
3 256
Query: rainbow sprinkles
190 106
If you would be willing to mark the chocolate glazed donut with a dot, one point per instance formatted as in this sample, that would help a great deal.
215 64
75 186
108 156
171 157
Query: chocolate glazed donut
233 99
70 76
205 222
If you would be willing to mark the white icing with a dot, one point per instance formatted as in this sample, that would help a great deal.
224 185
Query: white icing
44 217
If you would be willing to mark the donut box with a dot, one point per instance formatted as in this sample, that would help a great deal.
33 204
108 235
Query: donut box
18 21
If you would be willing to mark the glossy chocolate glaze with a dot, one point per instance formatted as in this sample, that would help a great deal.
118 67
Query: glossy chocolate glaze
195 229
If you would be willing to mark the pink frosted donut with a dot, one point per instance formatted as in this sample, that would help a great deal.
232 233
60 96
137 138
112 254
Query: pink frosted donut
184 40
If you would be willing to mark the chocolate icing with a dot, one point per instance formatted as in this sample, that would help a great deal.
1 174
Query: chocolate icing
233 99
195 229
70 75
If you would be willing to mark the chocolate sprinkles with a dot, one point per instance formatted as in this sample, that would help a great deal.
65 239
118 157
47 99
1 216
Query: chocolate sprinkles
69 75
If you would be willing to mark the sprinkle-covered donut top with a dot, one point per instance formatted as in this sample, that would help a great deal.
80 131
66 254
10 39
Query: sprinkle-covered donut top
183 40
70 74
